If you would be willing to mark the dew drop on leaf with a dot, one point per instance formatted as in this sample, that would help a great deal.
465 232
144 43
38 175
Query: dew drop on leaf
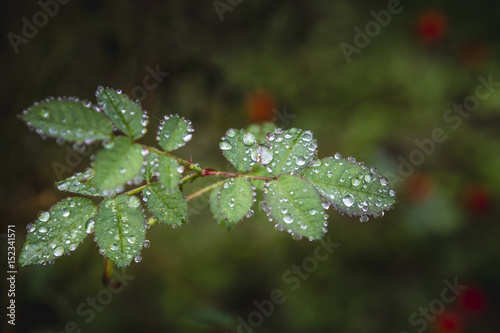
58 251
348 200
224 145
44 216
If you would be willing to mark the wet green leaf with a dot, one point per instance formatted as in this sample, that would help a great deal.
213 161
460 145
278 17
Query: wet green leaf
168 169
236 198
174 132
295 205
68 119
261 130
119 162
215 208
57 231
292 150
168 207
150 166
127 115
351 187
237 146
119 228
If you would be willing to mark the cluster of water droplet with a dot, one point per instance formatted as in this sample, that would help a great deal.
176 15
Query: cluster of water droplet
54 123
239 147
163 208
293 149
355 189
168 131
59 230
230 184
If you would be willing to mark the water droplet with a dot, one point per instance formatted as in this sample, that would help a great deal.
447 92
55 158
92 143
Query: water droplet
58 251
307 136
284 210
43 229
30 227
187 137
138 258
288 218
351 159
44 113
249 214
363 219
72 246
348 200
312 212
392 193
266 155
123 170
248 138
356 181
113 247
384 181
231 133
368 178
325 205
224 145
65 213
300 161
134 202
303 226
131 240
147 243
90 226
44 216
337 156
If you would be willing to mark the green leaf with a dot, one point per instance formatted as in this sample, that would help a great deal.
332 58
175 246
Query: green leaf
81 183
119 162
295 205
236 198
150 166
57 231
127 115
68 119
168 169
237 146
119 228
261 130
352 188
292 149
174 132
168 207
215 208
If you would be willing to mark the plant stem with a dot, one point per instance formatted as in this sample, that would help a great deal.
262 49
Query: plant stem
187 164
136 190
211 172
199 192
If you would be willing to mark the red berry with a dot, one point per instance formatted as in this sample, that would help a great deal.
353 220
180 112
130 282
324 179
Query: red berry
432 26
260 105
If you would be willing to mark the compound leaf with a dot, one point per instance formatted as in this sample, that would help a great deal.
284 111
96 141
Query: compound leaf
236 198
168 207
292 150
119 228
68 119
295 205
57 231
119 162
127 115
237 146
174 132
351 187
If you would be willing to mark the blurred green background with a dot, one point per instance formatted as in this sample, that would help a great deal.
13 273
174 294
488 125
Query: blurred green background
265 56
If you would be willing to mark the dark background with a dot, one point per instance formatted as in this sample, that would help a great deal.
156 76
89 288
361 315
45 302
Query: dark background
230 73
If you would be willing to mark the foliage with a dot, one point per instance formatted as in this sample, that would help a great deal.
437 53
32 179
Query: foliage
298 187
